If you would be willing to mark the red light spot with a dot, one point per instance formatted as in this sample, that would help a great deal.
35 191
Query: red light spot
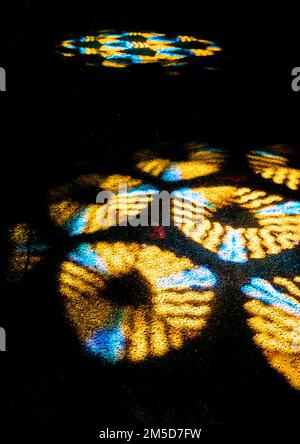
235 179
157 233
193 336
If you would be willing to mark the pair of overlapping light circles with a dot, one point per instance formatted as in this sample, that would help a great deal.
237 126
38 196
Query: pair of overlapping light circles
274 310
122 49
180 294
173 299
131 195
201 160
276 222
274 167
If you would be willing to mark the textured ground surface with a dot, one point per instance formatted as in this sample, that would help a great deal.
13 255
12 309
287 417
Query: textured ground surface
98 333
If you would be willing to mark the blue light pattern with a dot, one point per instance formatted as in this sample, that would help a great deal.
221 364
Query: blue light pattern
291 208
176 52
131 58
265 292
77 224
200 277
265 153
84 255
108 343
171 174
233 250
192 196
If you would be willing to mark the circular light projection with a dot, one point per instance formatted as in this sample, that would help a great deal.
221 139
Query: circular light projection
274 167
202 160
123 49
274 318
264 224
133 302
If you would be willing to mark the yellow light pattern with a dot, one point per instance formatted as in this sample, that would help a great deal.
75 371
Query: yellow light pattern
277 332
202 160
261 159
132 302
273 234
62 211
283 176
153 328
64 205
120 50
26 252
275 168
187 170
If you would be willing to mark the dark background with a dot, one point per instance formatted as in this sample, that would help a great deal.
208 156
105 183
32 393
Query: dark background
54 111
58 117
57 107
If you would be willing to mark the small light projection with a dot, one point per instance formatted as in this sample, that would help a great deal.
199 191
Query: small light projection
171 298
274 167
277 220
274 310
202 160
123 49
27 251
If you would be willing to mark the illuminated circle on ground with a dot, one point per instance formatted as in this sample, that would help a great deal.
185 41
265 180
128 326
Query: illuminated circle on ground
133 302
265 224
202 160
274 167
122 49
274 318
